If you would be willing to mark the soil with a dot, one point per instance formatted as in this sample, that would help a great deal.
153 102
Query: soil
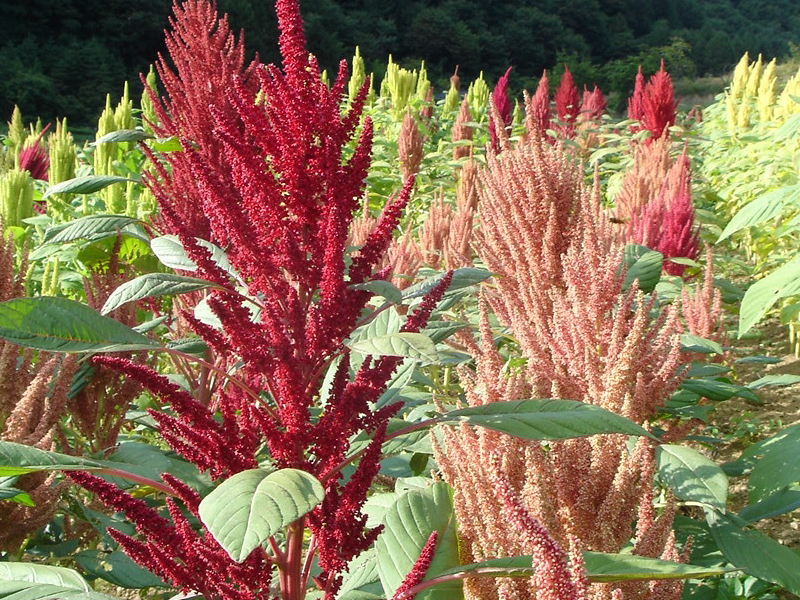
779 408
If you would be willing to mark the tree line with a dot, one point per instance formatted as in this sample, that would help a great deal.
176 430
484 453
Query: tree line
61 58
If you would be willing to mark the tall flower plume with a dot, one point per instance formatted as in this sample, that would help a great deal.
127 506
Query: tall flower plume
653 104
568 104
262 174
559 292
503 106
537 107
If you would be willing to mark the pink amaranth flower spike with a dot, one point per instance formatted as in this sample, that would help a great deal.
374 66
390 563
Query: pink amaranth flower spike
636 101
667 222
537 108
593 106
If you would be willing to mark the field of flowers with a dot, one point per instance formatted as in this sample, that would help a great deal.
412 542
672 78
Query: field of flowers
276 333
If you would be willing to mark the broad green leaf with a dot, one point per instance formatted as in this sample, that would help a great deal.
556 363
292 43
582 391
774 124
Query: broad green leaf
691 475
35 573
764 293
17 496
85 185
152 285
385 289
167 144
22 590
362 576
18 459
778 503
545 419
755 553
244 511
762 209
600 568
172 254
439 331
386 322
462 278
779 467
644 265
767 380
717 389
116 568
694 343
408 525
94 227
124 135
62 325
411 345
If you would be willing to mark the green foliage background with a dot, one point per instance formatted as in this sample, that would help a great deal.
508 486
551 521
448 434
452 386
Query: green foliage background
59 58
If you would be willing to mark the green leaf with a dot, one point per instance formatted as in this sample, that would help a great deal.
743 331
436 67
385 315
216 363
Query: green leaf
85 185
167 144
755 553
18 459
21 590
777 468
767 380
717 389
172 254
462 278
691 475
695 343
94 227
763 208
362 576
62 325
412 345
408 525
644 265
244 511
116 568
778 503
124 135
764 293
152 285
545 419
35 573
385 289
600 567
17 496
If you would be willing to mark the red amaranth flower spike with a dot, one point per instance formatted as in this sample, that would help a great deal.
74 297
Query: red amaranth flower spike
503 106
653 104
34 158
568 104
418 571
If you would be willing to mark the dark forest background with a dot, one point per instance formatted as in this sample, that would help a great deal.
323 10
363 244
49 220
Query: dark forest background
61 57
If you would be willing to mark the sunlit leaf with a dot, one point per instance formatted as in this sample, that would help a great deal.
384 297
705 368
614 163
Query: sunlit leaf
691 475
62 325
545 419
85 185
245 510
152 285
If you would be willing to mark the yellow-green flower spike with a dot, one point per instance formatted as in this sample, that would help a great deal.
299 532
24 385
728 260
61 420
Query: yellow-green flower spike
357 76
16 197
148 112
452 101
740 76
